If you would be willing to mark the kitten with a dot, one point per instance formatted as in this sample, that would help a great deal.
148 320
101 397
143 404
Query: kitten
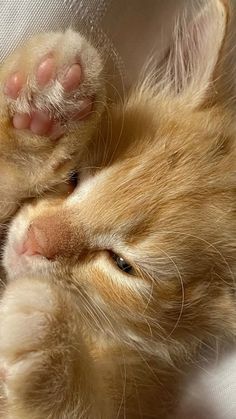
116 290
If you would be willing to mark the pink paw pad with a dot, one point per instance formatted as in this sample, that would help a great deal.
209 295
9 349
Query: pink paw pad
14 85
40 122
72 78
45 71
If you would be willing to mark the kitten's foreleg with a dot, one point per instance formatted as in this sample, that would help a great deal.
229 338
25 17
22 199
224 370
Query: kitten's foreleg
46 367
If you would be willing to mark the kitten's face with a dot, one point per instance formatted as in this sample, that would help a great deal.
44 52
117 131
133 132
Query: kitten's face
143 242
146 243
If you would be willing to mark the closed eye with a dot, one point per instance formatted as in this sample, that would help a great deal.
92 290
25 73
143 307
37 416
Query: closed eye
74 179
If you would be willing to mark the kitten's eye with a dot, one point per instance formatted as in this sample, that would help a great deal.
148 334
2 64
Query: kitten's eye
74 179
122 264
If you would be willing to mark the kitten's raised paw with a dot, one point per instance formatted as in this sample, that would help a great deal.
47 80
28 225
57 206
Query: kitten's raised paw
53 84
51 100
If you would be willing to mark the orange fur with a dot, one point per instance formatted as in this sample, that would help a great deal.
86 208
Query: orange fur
95 342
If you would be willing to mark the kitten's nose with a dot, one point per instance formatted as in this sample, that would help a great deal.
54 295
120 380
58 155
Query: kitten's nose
48 237
36 243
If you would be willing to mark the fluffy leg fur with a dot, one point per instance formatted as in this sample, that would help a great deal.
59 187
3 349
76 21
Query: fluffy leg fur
47 369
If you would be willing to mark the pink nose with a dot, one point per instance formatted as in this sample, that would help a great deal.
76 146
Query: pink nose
36 242
47 236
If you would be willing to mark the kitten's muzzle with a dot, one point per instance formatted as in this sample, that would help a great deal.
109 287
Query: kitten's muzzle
49 237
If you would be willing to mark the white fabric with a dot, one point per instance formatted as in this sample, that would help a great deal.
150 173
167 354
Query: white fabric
128 31
212 393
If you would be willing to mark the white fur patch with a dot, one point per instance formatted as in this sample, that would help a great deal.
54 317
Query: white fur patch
88 184
15 264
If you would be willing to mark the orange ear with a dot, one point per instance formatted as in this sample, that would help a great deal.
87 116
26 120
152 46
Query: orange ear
195 52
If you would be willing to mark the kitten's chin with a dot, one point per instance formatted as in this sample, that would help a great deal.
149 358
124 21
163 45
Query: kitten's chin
18 266
16 263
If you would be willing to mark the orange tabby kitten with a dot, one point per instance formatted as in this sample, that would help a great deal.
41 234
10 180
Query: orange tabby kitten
115 290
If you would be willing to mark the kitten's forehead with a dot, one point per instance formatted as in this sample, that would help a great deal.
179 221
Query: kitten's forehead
111 201
157 188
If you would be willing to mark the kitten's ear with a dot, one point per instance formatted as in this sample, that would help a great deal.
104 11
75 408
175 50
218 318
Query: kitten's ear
195 52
